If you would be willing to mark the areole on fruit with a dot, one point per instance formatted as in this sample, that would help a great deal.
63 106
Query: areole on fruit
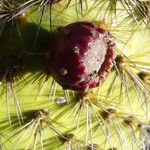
80 56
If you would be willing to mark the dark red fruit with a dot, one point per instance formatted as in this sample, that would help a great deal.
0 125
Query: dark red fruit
80 56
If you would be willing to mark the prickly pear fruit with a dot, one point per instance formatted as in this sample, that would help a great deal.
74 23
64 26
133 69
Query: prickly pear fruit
80 56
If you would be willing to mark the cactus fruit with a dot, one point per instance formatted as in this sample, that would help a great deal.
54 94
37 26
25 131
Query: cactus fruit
80 56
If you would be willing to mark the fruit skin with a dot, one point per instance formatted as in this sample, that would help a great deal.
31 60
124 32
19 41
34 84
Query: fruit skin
80 56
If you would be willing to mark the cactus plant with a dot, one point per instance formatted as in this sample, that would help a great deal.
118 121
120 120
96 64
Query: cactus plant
74 75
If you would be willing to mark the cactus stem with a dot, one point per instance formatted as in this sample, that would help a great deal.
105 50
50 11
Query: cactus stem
70 141
11 69
8 11
126 70
87 102
40 120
